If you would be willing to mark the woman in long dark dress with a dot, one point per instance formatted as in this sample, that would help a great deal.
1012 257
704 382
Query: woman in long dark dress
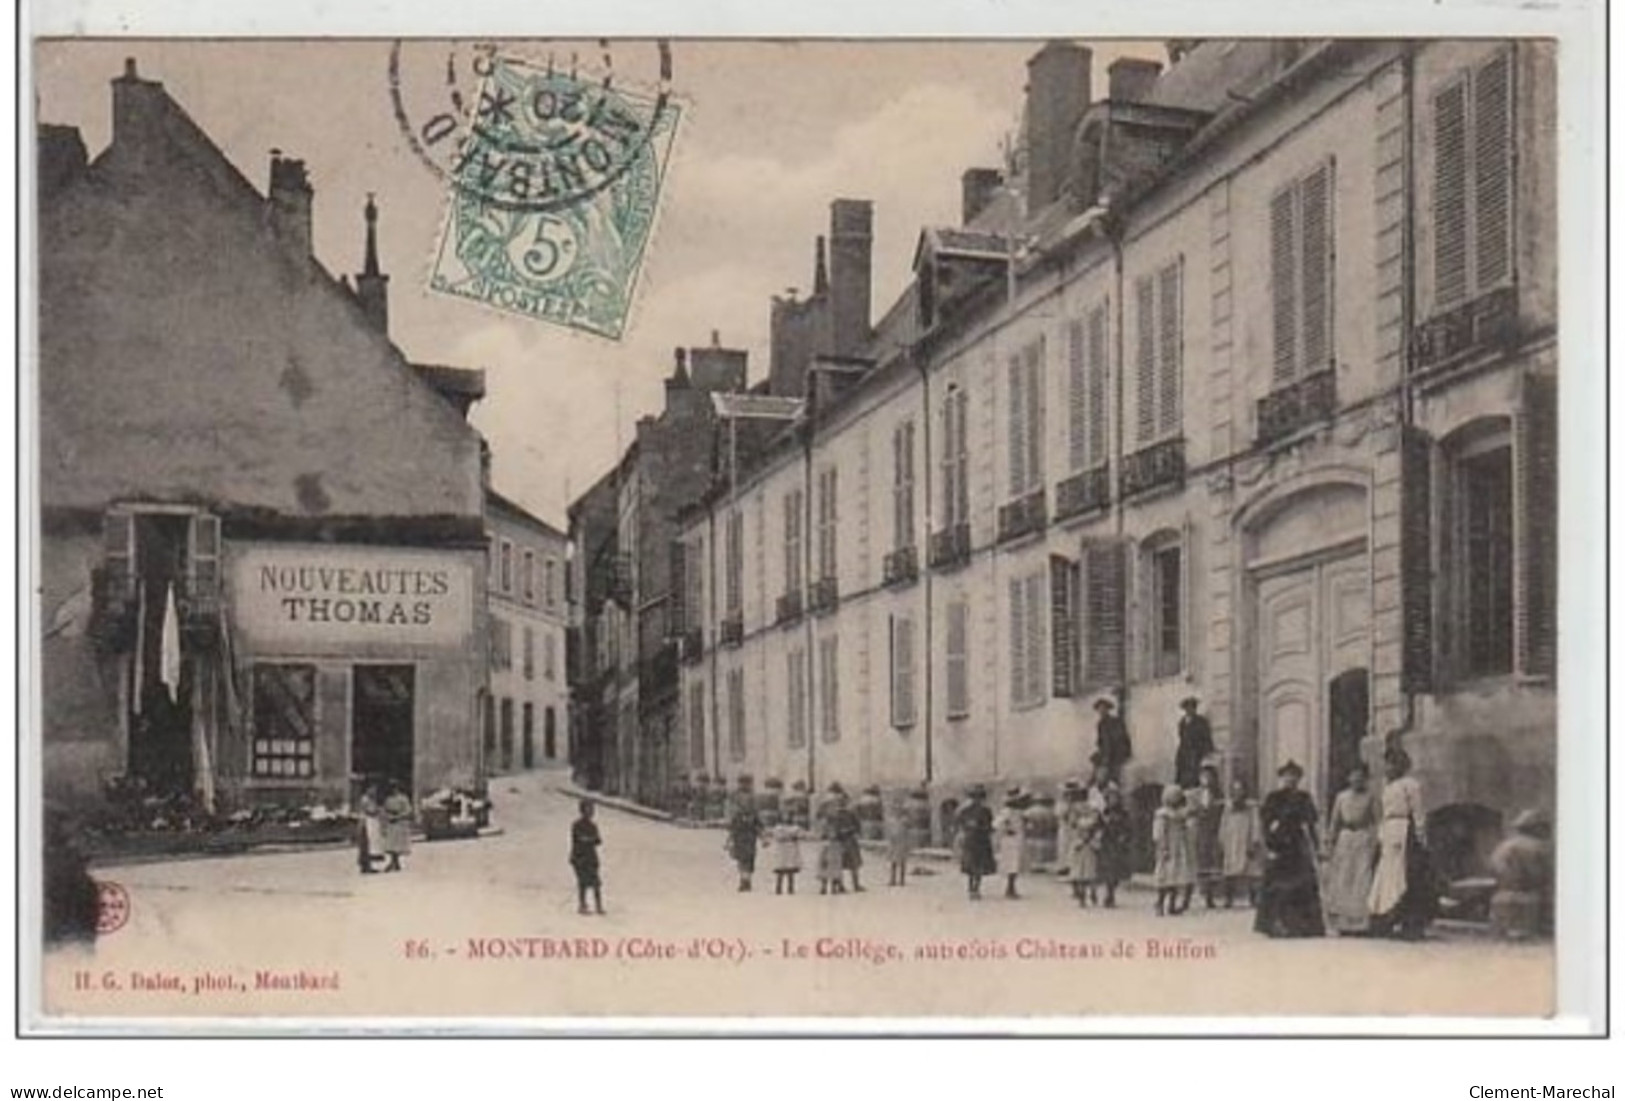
974 828
1116 837
1289 899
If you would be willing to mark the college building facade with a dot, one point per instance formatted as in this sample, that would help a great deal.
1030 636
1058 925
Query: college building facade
1238 384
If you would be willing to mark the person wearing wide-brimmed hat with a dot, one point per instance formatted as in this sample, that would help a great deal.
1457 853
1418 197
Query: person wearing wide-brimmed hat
1010 839
1113 748
1195 744
974 829
1402 897
1289 898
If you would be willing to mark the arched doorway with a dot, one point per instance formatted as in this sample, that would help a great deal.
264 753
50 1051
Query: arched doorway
1307 581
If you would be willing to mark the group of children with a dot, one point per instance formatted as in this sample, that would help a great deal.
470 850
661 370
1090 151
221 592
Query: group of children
838 831
1204 839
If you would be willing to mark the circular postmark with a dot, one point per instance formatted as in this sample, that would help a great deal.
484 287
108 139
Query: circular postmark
112 907
523 135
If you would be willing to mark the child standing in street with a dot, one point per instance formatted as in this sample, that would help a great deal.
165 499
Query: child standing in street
1241 841
899 843
1084 861
786 856
584 842
831 867
1176 855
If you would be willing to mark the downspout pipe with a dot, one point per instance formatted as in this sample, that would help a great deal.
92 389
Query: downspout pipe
922 363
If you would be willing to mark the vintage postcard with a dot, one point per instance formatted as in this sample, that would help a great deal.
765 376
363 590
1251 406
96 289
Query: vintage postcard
550 532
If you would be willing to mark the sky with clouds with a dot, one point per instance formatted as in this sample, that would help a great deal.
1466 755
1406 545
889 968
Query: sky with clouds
773 131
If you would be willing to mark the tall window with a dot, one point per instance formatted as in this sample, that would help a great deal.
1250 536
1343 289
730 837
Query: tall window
1165 626
792 540
958 649
527 576
549 585
736 714
1065 585
507 566
284 722
696 725
1027 688
1026 416
1301 274
796 679
829 688
827 513
734 583
1472 182
550 667
902 453
1484 532
693 582
1086 390
955 459
1157 306
501 643
530 653
903 710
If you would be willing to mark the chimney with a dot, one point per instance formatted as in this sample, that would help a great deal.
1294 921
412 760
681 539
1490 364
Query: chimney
717 368
289 200
851 242
371 285
977 187
1057 96
138 107
820 269
1130 79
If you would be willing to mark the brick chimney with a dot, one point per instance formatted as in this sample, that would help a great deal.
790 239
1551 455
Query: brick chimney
289 201
371 285
1057 97
138 108
1130 79
977 187
851 244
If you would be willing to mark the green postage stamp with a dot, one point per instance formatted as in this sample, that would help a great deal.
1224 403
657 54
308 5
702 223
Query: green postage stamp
553 196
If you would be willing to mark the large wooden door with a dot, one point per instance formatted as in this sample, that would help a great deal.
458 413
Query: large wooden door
1313 626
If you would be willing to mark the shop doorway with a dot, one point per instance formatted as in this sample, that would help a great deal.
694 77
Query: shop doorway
527 735
550 735
160 704
382 705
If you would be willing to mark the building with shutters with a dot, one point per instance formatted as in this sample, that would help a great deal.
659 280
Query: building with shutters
524 717
263 548
1238 384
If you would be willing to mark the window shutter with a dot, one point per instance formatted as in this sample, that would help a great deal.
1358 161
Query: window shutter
1018 642
1018 426
1077 392
696 726
1318 273
1450 195
1062 626
203 557
1035 416
1104 584
961 459
1535 453
1492 170
1035 638
1416 562
1097 385
902 671
1169 311
1284 283
1188 650
791 697
1145 360
948 488
958 658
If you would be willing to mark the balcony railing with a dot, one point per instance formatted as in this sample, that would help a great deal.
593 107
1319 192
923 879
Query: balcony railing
692 645
789 608
1023 516
825 594
1089 491
1311 399
901 566
950 547
731 631
1161 464
1488 322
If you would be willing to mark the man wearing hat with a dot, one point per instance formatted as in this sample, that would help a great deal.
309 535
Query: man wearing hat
1112 746
1195 744
974 829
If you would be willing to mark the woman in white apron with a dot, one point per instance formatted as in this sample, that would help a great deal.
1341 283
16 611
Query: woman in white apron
1402 895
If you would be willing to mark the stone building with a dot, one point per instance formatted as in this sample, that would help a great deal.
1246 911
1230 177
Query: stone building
262 528
523 716
1238 384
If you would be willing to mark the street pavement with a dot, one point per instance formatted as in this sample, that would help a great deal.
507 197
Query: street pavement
489 928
